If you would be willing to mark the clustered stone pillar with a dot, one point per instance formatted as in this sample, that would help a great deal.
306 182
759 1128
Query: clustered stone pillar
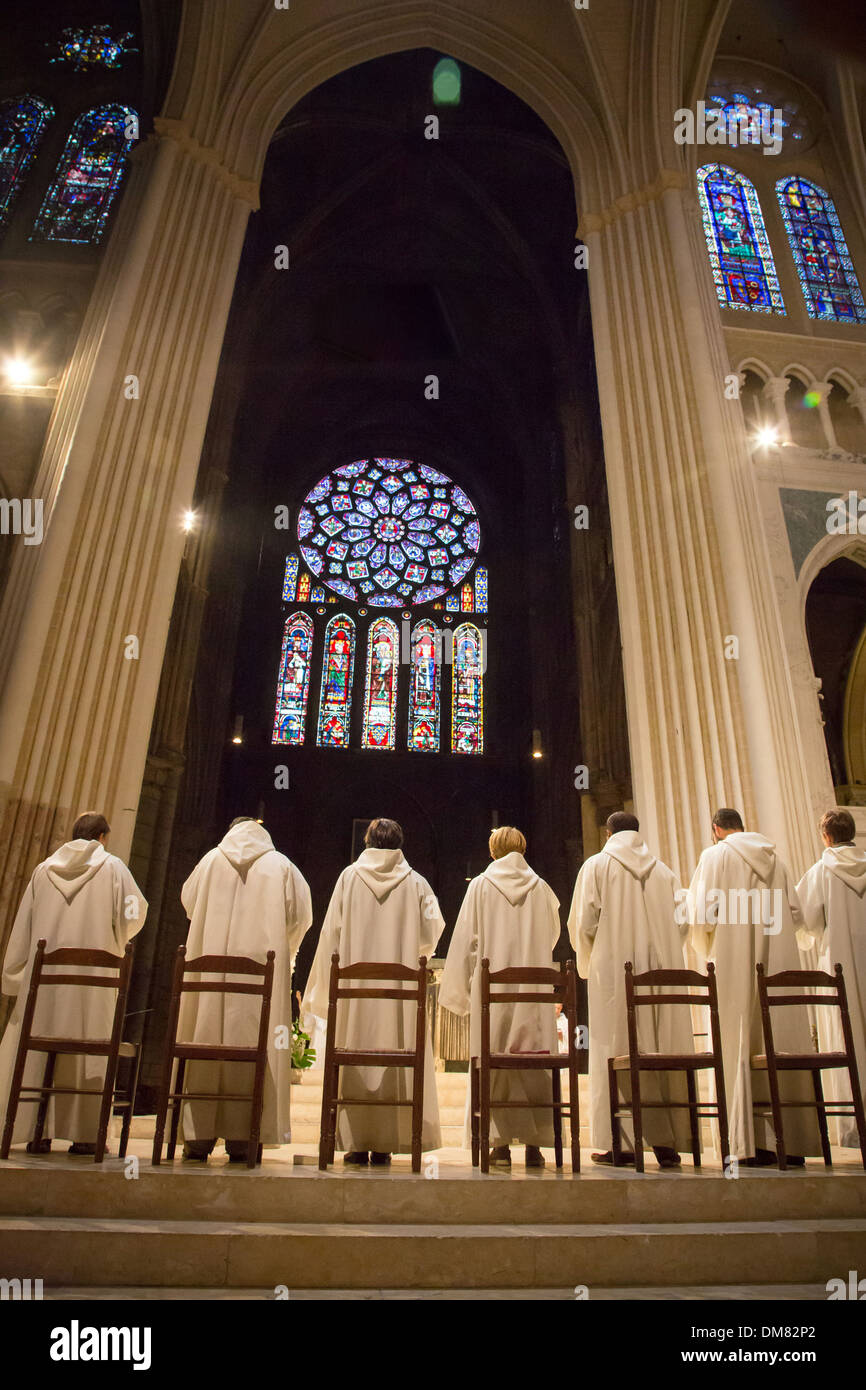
85 615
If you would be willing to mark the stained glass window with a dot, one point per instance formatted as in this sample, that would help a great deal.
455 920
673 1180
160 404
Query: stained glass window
290 581
467 691
481 591
95 47
747 119
86 180
467 598
380 690
740 255
424 684
452 603
388 532
820 252
23 122
335 705
304 588
294 680
317 594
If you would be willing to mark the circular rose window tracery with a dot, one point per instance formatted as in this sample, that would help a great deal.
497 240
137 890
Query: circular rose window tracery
388 532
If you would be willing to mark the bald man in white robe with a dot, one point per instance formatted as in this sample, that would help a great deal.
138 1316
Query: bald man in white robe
511 917
380 910
744 908
833 898
80 896
625 908
244 898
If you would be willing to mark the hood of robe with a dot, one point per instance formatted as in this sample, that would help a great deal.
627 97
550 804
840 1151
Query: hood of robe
74 864
244 844
381 870
512 876
848 863
628 849
758 852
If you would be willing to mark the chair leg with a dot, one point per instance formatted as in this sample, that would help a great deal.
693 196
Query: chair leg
325 1118
484 1120
107 1106
778 1128
132 1091
417 1112
693 1118
615 1130
474 1117
637 1119
722 1116
14 1098
47 1082
176 1107
574 1120
821 1107
556 1086
859 1115
162 1107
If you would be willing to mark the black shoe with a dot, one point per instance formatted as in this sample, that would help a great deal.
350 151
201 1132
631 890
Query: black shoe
356 1159
197 1151
85 1151
379 1160
239 1155
39 1146
667 1158
762 1158
625 1159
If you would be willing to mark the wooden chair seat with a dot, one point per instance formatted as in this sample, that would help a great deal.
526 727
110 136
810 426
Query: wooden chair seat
112 1049
415 991
177 1054
811 989
553 987
665 987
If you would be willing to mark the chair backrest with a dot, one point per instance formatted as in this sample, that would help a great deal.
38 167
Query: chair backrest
671 987
804 983
82 957
552 986
223 965
377 970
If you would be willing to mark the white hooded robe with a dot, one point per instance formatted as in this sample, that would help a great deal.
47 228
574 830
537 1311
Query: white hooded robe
746 862
510 916
380 910
84 897
624 908
243 898
833 898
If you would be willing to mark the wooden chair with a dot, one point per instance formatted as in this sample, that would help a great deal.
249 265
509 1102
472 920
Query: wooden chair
112 1048
183 1052
337 1057
703 992
773 1061
551 987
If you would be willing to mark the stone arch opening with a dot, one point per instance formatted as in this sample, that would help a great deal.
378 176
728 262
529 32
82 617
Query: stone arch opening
835 616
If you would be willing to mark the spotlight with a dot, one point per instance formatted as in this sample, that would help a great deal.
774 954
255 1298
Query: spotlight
189 520
537 750
18 371
767 436
238 735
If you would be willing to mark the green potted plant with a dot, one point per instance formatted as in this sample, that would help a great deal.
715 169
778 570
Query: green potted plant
303 1055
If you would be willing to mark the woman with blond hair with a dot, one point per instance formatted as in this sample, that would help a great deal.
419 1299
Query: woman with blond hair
511 917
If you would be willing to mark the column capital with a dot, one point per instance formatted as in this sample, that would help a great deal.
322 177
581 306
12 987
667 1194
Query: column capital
247 190
776 387
597 221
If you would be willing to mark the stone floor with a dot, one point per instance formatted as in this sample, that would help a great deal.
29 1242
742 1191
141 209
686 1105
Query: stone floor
742 1293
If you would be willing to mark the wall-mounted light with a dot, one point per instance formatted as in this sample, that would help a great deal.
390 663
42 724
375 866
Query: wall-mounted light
537 750
238 735
260 814
18 371
767 436
189 520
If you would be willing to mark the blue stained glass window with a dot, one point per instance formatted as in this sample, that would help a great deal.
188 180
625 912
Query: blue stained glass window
820 252
747 119
481 591
380 690
95 47
294 680
87 178
739 249
335 705
424 684
467 691
23 122
383 536
290 581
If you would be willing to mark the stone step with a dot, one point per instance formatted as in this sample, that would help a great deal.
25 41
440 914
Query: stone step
66 1251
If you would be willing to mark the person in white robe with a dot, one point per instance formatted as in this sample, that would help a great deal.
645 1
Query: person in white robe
744 909
511 917
80 896
833 898
625 908
380 910
243 898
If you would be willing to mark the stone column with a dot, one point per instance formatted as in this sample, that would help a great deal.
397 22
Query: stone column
857 398
823 389
775 390
117 472
690 560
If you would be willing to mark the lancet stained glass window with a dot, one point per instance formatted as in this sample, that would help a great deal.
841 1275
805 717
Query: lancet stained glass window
23 122
380 690
335 705
294 680
290 580
424 683
820 252
88 176
739 249
388 532
467 691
